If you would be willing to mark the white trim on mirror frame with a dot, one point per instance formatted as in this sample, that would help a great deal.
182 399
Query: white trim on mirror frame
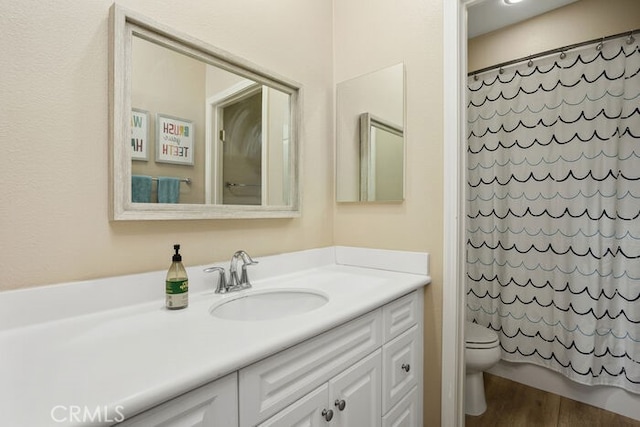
120 205
453 298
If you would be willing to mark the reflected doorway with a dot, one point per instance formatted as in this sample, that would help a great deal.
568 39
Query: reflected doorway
241 138
248 146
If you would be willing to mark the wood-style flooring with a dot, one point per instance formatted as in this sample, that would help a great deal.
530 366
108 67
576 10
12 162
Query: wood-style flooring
512 404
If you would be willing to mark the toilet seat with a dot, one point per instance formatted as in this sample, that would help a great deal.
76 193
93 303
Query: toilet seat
479 337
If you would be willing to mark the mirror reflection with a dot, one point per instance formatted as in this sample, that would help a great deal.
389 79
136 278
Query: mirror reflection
197 132
370 145
381 160
221 137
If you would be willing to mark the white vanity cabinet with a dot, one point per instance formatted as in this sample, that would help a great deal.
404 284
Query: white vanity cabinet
352 398
362 347
370 366
402 351
366 372
213 404
275 383
402 360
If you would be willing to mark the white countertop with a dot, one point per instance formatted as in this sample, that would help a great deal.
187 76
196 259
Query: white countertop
140 355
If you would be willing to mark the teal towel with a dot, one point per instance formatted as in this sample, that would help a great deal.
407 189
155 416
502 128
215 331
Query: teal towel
140 189
168 189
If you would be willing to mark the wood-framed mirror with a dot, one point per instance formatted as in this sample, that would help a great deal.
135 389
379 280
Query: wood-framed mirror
197 132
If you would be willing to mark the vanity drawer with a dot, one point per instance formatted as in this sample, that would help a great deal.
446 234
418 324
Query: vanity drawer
401 367
406 413
213 404
304 412
270 385
400 315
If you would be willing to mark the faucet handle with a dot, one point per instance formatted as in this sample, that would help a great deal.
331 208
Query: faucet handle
244 277
242 254
222 279
242 282
246 259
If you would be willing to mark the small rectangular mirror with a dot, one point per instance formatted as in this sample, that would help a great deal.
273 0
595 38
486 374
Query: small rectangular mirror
196 132
370 144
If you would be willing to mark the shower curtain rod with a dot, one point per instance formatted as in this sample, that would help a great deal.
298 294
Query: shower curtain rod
558 50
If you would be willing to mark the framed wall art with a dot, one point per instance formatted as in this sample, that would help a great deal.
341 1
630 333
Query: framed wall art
175 141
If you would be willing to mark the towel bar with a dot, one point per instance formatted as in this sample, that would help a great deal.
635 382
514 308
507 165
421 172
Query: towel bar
186 180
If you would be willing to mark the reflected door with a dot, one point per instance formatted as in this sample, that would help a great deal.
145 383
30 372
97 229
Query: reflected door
241 136
386 165
381 160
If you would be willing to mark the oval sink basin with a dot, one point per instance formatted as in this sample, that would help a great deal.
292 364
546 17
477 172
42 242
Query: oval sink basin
269 304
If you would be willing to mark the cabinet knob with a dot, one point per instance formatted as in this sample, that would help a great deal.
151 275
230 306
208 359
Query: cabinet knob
341 404
406 367
327 414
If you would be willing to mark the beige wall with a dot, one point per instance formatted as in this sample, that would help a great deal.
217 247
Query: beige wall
54 223
53 124
370 35
577 22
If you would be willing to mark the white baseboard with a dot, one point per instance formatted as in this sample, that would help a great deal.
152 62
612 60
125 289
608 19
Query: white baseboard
612 399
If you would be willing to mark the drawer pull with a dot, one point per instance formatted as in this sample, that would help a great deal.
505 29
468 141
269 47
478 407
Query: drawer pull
327 414
341 404
406 367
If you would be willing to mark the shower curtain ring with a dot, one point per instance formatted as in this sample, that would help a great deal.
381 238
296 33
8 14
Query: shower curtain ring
600 45
563 55
630 39
501 70
530 63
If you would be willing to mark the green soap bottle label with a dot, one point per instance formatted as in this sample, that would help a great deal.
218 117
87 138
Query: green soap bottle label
177 293
177 286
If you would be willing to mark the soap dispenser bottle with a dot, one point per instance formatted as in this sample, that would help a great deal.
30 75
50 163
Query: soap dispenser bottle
177 283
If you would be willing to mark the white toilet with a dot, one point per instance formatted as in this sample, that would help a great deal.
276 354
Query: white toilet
482 351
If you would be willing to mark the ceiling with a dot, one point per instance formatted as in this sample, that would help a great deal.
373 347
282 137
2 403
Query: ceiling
490 15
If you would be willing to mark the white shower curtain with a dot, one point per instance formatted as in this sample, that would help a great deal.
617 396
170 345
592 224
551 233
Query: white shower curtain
553 211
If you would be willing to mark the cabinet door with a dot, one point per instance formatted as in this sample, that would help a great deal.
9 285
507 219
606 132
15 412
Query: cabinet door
358 391
402 365
274 383
305 412
212 405
404 414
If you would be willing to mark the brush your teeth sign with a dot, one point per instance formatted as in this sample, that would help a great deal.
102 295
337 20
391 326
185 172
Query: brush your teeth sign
174 143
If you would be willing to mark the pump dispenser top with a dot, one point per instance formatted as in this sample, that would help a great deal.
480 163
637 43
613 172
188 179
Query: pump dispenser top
177 257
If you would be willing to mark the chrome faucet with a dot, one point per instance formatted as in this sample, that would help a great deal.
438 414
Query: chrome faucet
241 282
235 283
222 279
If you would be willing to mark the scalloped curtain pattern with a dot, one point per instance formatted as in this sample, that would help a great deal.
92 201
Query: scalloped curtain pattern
553 212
